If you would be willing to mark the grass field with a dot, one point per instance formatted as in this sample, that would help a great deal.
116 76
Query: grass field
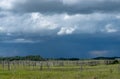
63 72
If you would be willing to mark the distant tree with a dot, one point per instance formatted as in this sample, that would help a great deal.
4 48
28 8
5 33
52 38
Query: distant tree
35 58
115 62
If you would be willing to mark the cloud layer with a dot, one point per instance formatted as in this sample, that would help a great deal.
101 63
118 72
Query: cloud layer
53 17
62 6
58 24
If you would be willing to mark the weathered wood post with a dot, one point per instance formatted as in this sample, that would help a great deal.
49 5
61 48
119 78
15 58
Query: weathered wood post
29 64
118 67
41 66
48 65
14 64
62 63
34 64
9 65
3 65
81 66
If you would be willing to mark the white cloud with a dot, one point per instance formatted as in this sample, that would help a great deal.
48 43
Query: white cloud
9 4
66 30
70 2
118 16
110 28
1 29
66 17
6 4
41 22
99 53
19 40
57 24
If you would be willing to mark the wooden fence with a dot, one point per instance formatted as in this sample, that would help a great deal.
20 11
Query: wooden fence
41 65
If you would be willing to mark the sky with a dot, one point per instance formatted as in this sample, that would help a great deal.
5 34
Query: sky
60 28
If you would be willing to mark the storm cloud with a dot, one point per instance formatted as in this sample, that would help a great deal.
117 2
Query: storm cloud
62 6
59 24
41 24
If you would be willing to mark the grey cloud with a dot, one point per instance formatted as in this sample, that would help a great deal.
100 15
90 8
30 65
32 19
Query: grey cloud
1 15
68 6
59 24
21 39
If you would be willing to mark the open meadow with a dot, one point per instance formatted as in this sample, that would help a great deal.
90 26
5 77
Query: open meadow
58 70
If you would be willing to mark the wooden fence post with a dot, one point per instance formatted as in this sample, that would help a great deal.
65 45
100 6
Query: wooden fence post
41 66
9 65
3 65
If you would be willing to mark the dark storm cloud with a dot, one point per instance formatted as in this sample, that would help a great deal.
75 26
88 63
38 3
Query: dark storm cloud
83 46
68 6
92 29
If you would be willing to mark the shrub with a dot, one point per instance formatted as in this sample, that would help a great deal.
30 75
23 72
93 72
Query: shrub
115 62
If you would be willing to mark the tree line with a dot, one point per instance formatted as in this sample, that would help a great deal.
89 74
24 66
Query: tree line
30 57
40 58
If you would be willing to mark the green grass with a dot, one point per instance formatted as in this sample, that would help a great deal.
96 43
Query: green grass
66 72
